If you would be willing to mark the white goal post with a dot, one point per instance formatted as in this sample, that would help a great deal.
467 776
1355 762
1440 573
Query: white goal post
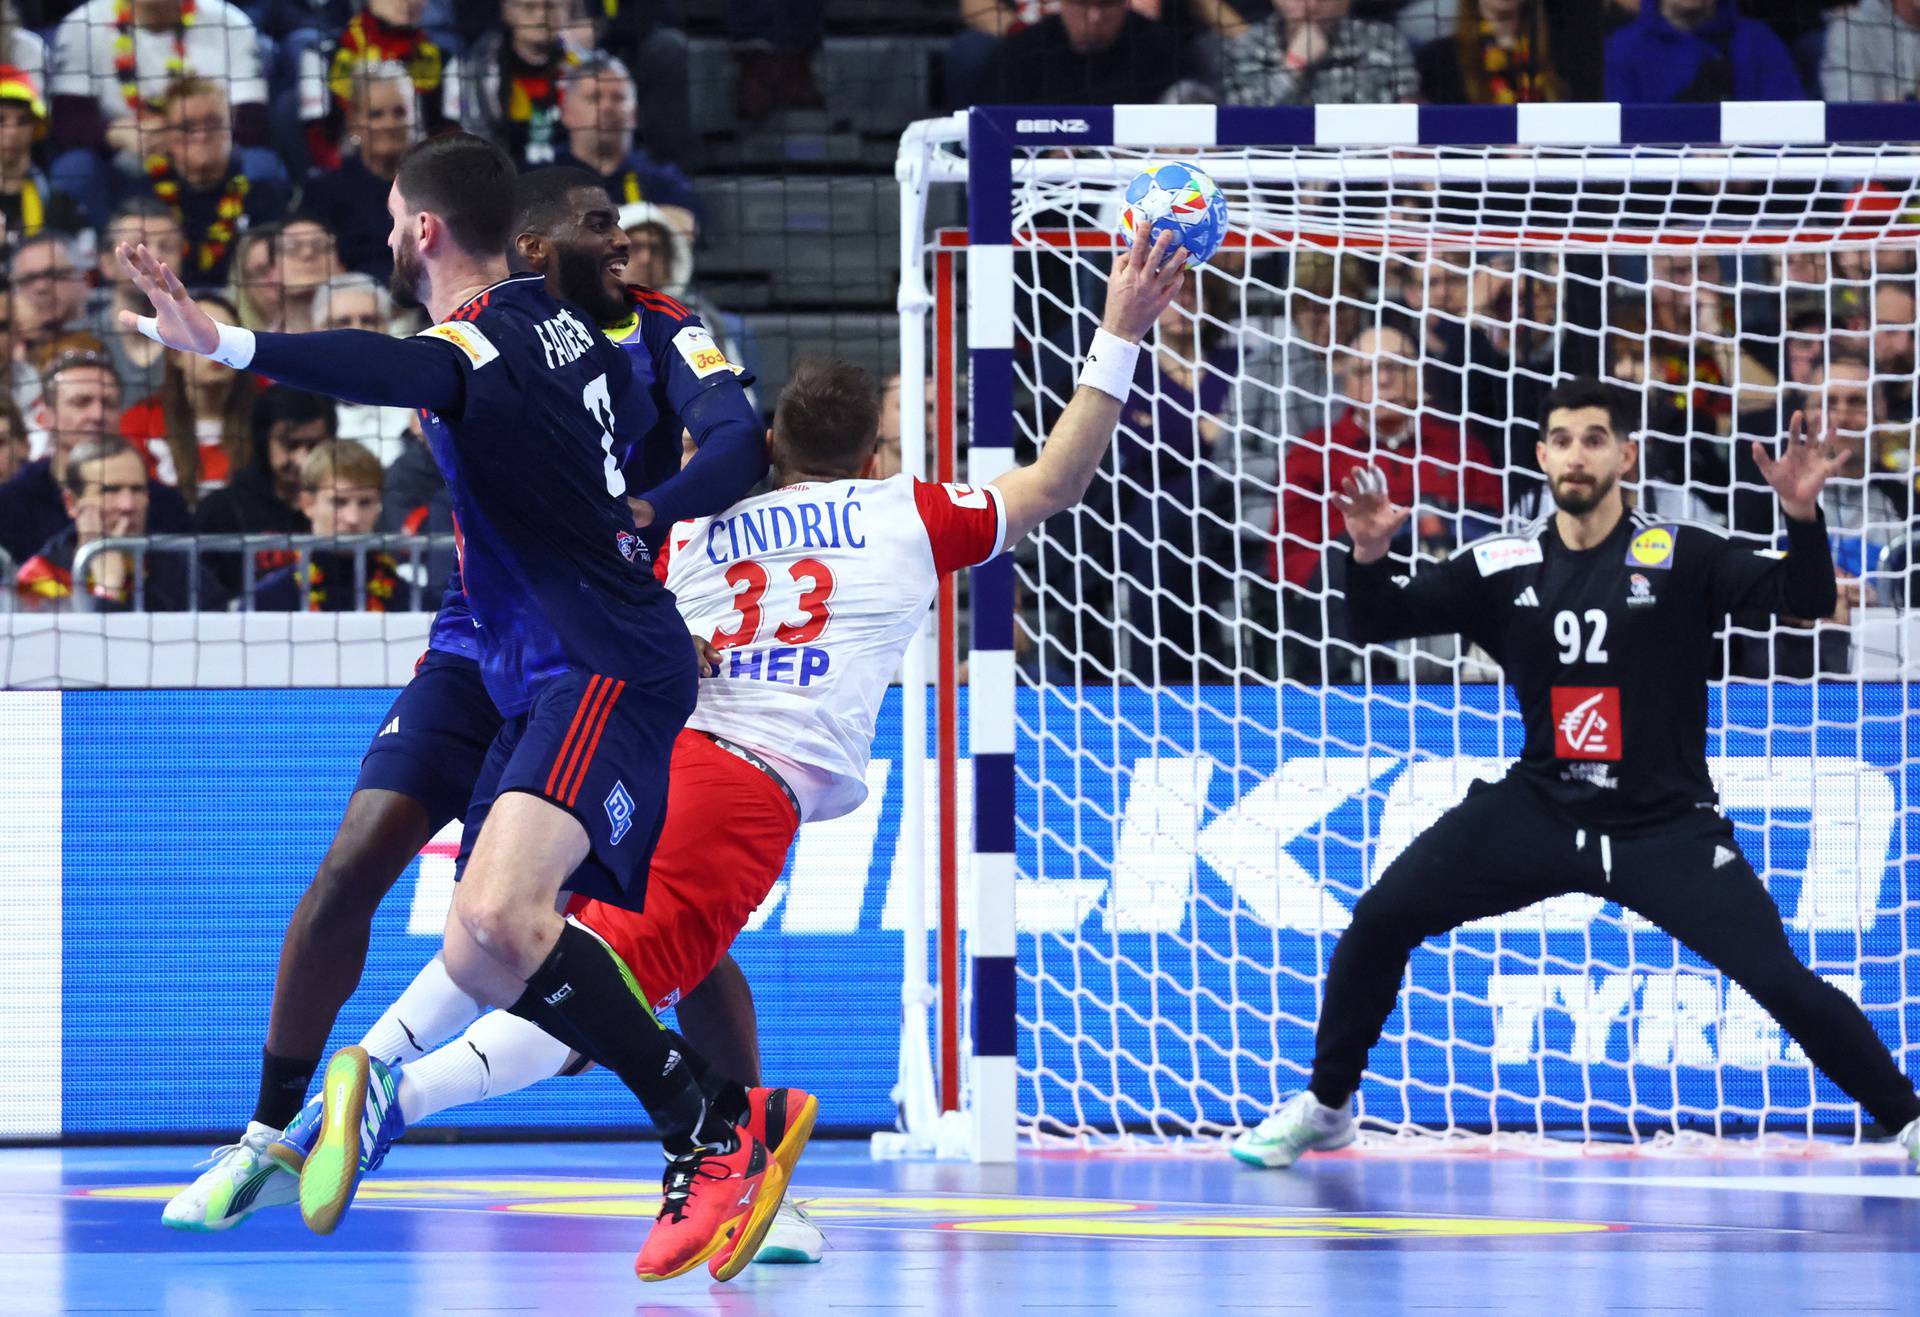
1178 776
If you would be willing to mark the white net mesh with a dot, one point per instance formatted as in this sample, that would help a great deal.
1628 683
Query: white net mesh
1209 774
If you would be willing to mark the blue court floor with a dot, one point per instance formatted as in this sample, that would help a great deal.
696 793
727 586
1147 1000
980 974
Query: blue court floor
553 1228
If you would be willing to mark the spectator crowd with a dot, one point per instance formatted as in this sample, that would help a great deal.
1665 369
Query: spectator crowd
1214 549
251 146
252 143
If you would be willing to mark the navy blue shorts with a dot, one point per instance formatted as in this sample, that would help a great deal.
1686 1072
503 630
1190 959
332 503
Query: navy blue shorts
433 742
601 752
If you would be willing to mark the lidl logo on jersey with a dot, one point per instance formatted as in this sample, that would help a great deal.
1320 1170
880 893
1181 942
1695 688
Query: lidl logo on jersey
1586 722
1652 547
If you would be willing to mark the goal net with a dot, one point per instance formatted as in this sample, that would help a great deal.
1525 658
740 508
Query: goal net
1184 774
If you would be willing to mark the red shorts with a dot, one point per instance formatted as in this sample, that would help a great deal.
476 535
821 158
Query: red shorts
721 850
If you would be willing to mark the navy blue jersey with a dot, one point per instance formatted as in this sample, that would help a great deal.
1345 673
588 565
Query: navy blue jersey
546 539
675 365
453 626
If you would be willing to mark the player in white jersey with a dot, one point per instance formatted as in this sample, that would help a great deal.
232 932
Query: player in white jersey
808 596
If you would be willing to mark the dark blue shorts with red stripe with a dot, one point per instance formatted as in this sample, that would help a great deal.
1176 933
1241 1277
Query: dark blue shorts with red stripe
601 752
433 742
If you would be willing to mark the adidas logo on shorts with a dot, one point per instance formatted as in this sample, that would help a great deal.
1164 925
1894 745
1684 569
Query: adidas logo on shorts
392 728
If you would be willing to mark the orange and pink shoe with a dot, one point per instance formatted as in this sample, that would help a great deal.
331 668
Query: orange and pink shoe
782 1118
715 1207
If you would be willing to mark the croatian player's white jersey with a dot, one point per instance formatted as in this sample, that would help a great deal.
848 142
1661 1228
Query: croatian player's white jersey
811 594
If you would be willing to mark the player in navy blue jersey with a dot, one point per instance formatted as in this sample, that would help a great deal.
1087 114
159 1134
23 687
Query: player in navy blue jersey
568 230
581 651
424 758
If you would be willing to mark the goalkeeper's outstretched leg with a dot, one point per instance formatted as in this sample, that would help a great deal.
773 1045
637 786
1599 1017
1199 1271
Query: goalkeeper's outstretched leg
1692 879
1502 849
1473 862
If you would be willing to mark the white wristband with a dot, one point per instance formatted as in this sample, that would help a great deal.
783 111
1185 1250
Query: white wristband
235 348
1110 363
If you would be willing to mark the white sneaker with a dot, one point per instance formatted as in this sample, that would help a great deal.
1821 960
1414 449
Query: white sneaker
793 1237
243 1179
1909 1138
1301 1125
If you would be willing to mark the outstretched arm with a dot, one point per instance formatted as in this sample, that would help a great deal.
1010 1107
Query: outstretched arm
1801 471
1381 605
352 364
1802 583
1145 278
1373 519
729 459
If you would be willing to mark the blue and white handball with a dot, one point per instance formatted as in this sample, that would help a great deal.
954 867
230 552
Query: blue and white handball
1177 197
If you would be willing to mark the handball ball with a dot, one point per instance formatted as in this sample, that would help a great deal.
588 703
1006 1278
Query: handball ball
1180 198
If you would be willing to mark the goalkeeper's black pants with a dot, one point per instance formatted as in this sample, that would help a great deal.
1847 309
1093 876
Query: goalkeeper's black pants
1505 847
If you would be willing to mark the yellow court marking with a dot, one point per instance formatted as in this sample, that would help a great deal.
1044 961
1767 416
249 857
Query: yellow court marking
625 1198
1282 1227
1081 1218
849 1208
415 1190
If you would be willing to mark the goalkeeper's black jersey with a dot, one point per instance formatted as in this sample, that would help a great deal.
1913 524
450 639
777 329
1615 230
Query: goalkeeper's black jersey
1609 649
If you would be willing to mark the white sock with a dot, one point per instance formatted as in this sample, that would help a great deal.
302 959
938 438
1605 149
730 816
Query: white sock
501 1053
429 1012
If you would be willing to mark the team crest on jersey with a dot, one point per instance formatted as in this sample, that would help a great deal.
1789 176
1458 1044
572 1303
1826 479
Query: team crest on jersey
1652 547
631 546
1639 591
619 813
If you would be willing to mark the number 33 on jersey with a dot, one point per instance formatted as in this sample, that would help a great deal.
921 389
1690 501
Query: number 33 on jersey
811 594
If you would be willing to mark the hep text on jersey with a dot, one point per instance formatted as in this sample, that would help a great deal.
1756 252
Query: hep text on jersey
801 665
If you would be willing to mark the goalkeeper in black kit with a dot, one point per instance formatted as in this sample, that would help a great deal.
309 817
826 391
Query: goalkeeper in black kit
1605 622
